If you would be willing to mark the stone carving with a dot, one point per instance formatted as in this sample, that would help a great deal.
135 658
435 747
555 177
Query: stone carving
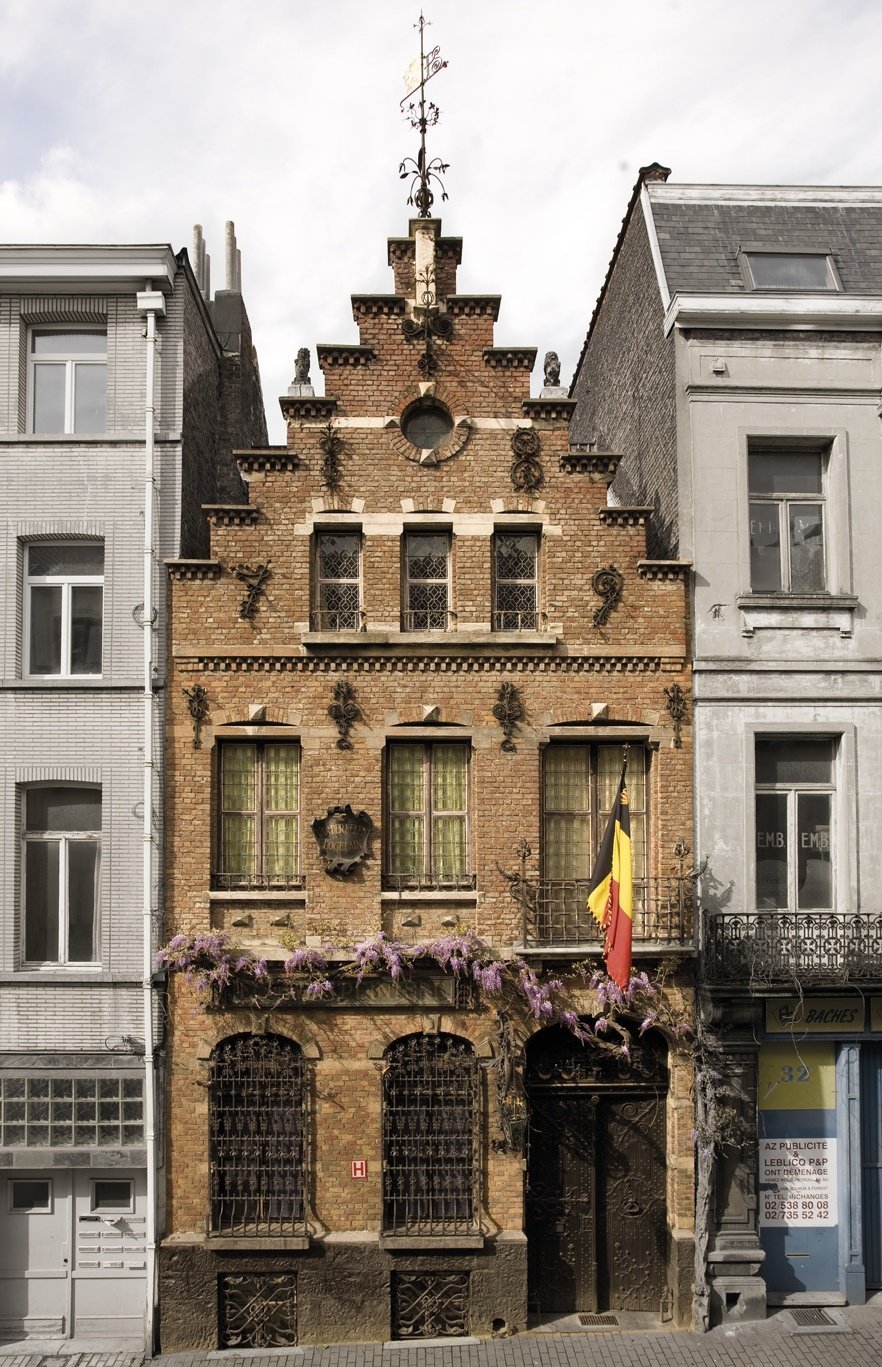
301 366
526 469
552 369
342 837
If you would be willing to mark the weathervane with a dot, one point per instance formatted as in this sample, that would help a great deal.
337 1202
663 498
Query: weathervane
422 116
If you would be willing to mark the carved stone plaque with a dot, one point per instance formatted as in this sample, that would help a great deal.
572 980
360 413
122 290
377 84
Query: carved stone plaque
342 838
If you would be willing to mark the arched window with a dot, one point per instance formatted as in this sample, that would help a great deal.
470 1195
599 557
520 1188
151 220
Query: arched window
430 1136
258 1136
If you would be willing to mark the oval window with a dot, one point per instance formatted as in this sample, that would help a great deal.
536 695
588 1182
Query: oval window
427 425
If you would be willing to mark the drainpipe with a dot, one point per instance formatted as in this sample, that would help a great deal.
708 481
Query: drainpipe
149 302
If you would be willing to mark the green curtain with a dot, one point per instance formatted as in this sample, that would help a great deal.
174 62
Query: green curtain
449 801
238 808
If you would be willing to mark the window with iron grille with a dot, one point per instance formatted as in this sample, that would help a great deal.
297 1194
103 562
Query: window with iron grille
257 1121
427 802
259 815
426 581
515 562
338 581
430 1136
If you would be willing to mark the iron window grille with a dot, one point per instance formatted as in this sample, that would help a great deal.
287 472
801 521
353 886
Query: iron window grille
338 582
515 584
67 379
259 816
64 607
787 507
62 841
428 827
257 1123
579 786
794 814
431 1136
426 582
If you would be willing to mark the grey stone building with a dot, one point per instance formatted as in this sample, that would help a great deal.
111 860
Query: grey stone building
122 390
734 355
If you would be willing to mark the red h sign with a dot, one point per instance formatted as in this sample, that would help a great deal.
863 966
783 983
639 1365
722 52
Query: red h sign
358 1167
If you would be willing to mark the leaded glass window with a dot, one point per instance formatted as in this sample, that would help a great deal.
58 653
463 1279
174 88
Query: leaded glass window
428 815
338 581
427 581
430 1136
259 815
257 1124
515 559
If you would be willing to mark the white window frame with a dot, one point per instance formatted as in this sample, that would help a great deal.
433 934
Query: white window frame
70 363
745 253
127 1208
64 839
65 582
29 1210
792 790
409 612
784 502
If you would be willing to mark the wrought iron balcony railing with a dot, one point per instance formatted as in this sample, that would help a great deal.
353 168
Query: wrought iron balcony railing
257 882
337 619
780 947
556 912
428 882
506 620
428 619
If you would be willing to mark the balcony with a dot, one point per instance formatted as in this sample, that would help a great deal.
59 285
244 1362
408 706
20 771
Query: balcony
337 619
257 882
780 948
556 912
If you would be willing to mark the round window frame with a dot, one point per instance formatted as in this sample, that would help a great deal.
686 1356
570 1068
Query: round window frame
424 406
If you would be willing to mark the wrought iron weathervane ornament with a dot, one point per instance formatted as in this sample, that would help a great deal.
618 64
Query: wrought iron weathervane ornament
422 115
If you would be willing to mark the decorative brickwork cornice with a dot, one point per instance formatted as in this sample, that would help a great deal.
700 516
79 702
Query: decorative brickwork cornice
664 569
369 304
450 248
193 569
231 514
344 353
474 305
510 357
552 410
233 663
600 465
625 517
267 458
404 248
315 409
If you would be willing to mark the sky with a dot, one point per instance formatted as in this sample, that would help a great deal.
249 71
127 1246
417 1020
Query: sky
131 120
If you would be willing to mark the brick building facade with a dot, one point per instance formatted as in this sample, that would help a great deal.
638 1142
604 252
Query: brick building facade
428 619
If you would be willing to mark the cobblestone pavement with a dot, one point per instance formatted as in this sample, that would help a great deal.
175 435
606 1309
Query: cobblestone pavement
853 1340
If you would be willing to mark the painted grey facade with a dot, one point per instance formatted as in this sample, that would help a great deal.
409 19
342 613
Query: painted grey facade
77 1143
722 379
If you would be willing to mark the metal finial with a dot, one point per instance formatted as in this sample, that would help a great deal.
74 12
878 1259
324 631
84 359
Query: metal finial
422 115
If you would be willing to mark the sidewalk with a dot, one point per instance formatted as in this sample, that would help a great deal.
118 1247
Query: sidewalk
854 1339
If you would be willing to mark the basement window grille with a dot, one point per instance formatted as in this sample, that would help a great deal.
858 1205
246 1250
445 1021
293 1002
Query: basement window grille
430 1136
428 1305
257 1311
258 1130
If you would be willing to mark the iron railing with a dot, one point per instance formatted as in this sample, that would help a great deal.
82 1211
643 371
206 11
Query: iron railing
817 947
504 619
257 882
428 619
337 619
428 882
556 911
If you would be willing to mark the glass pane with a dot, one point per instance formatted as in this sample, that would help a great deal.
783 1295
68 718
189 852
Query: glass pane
449 848
281 846
567 849
90 398
58 342
338 556
794 761
765 548
515 556
771 851
406 845
49 386
566 779
282 768
814 878
427 426
64 809
107 1195
806 547
449 768
406 778
62 558
427 555
785 472
237 787
29 1195
82 863
41 901
45 651
85 629
790 271
237 840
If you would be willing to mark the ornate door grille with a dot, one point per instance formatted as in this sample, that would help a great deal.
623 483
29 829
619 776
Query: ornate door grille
258 1151
595 1200
257 1311
427 1305
430 1136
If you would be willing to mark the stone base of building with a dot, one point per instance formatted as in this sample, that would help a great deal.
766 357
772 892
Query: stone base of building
681 1278
340 1289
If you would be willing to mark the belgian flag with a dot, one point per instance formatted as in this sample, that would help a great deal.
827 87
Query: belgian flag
611 890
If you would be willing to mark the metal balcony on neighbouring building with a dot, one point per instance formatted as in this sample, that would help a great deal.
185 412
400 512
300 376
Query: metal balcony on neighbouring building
760 948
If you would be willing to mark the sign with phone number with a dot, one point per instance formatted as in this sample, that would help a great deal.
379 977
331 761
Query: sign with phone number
797 1182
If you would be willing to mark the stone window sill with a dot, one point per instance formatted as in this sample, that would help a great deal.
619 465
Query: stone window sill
462 639
257 1243
467 896
797 611
293 895
427 1243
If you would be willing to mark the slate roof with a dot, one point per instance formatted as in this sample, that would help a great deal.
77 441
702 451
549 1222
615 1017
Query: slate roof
699 241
